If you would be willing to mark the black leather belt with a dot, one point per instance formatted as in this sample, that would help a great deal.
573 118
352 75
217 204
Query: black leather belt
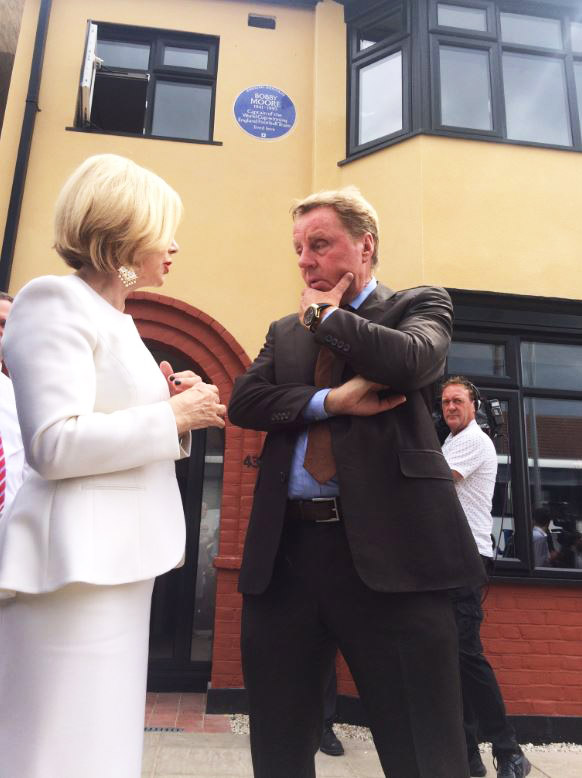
320 510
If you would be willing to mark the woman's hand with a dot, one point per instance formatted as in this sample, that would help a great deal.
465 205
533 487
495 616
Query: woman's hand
196 405
178 382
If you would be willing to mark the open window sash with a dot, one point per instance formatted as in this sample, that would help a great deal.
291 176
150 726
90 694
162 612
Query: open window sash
87 79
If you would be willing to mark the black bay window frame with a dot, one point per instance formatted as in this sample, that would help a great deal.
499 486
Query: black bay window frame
513 320
422 91
158 39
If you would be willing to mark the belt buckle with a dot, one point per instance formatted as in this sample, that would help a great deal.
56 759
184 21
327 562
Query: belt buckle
334 508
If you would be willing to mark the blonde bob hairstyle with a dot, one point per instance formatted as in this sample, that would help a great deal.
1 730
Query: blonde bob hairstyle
111 210
355 213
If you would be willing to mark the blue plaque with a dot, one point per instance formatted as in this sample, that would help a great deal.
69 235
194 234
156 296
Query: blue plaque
264 112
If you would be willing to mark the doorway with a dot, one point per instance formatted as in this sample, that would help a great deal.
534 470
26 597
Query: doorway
182 620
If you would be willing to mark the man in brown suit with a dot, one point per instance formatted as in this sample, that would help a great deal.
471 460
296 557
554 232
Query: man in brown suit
356 533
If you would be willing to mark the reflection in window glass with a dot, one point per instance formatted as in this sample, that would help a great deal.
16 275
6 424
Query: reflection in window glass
578 79
182 110
462 17
535 99
531 30
382 28
380 98
177 56
503 529
203 625
576 36
554 444
465 88
120 54
552 365
476 359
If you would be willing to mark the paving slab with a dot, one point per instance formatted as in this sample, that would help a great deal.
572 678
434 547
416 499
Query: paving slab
226 755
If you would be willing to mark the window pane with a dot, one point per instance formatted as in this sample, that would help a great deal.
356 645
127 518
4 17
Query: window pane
502 509
185 58
462 17
576 35
120 54
182 110
380 98
552 366
381 28
554 441
531 30
578 78
202 628
476 359
535 99
465 88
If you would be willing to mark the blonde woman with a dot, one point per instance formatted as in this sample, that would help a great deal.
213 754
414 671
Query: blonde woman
100 514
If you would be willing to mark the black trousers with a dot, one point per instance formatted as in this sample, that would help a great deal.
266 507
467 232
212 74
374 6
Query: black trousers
401 650
483 706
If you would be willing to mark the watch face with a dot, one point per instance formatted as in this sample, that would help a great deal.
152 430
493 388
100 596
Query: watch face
309 315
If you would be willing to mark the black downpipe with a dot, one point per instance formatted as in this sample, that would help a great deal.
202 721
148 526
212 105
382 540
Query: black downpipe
30 111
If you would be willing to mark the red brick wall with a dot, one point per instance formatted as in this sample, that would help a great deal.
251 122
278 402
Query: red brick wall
533 638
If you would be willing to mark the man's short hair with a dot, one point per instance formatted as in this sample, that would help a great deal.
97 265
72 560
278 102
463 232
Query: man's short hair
542 515
355 213
462 381
111 209
6 296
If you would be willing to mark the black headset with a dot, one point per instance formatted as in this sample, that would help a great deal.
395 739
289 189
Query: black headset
476 396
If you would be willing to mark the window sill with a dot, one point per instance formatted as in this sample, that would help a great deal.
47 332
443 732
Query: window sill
146 137
457 136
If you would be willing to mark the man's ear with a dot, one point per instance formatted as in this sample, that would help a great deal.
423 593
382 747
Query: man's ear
367 246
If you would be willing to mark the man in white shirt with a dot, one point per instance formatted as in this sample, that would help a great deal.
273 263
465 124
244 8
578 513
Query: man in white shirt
471 455
9 427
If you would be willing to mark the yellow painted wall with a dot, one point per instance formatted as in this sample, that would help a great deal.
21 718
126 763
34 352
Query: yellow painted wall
465 214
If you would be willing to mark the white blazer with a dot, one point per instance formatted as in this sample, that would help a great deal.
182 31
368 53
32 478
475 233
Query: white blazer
101 504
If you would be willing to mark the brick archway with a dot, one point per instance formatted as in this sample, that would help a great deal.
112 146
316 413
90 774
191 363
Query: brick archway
171 322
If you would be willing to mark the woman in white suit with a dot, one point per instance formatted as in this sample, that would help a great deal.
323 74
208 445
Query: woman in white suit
100 514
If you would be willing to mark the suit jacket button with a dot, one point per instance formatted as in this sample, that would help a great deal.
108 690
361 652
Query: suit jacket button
347 347
340 344
334 341
327 338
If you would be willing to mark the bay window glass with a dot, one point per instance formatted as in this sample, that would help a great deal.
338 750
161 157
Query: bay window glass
379 28
576 36
531 30
463 17
554 450
380 93
578 81
465 88
536 102
472 358
552 365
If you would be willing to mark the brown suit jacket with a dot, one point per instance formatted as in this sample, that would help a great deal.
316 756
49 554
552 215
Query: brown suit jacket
404 524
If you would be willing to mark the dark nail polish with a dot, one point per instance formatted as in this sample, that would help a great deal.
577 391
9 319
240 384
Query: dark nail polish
171 378
177 382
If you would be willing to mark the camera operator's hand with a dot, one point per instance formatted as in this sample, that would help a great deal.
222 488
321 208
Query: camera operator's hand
360 397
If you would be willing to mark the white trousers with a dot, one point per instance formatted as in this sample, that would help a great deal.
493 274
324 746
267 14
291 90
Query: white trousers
73 666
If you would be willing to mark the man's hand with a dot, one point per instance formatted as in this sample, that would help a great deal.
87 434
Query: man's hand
333 297
359 397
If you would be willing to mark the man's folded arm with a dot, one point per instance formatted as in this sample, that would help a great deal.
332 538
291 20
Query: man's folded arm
405 358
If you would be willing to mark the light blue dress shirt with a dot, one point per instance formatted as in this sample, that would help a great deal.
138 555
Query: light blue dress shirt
302 485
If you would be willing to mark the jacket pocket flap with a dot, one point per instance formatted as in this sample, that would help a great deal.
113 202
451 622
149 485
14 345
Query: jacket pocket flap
424 463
